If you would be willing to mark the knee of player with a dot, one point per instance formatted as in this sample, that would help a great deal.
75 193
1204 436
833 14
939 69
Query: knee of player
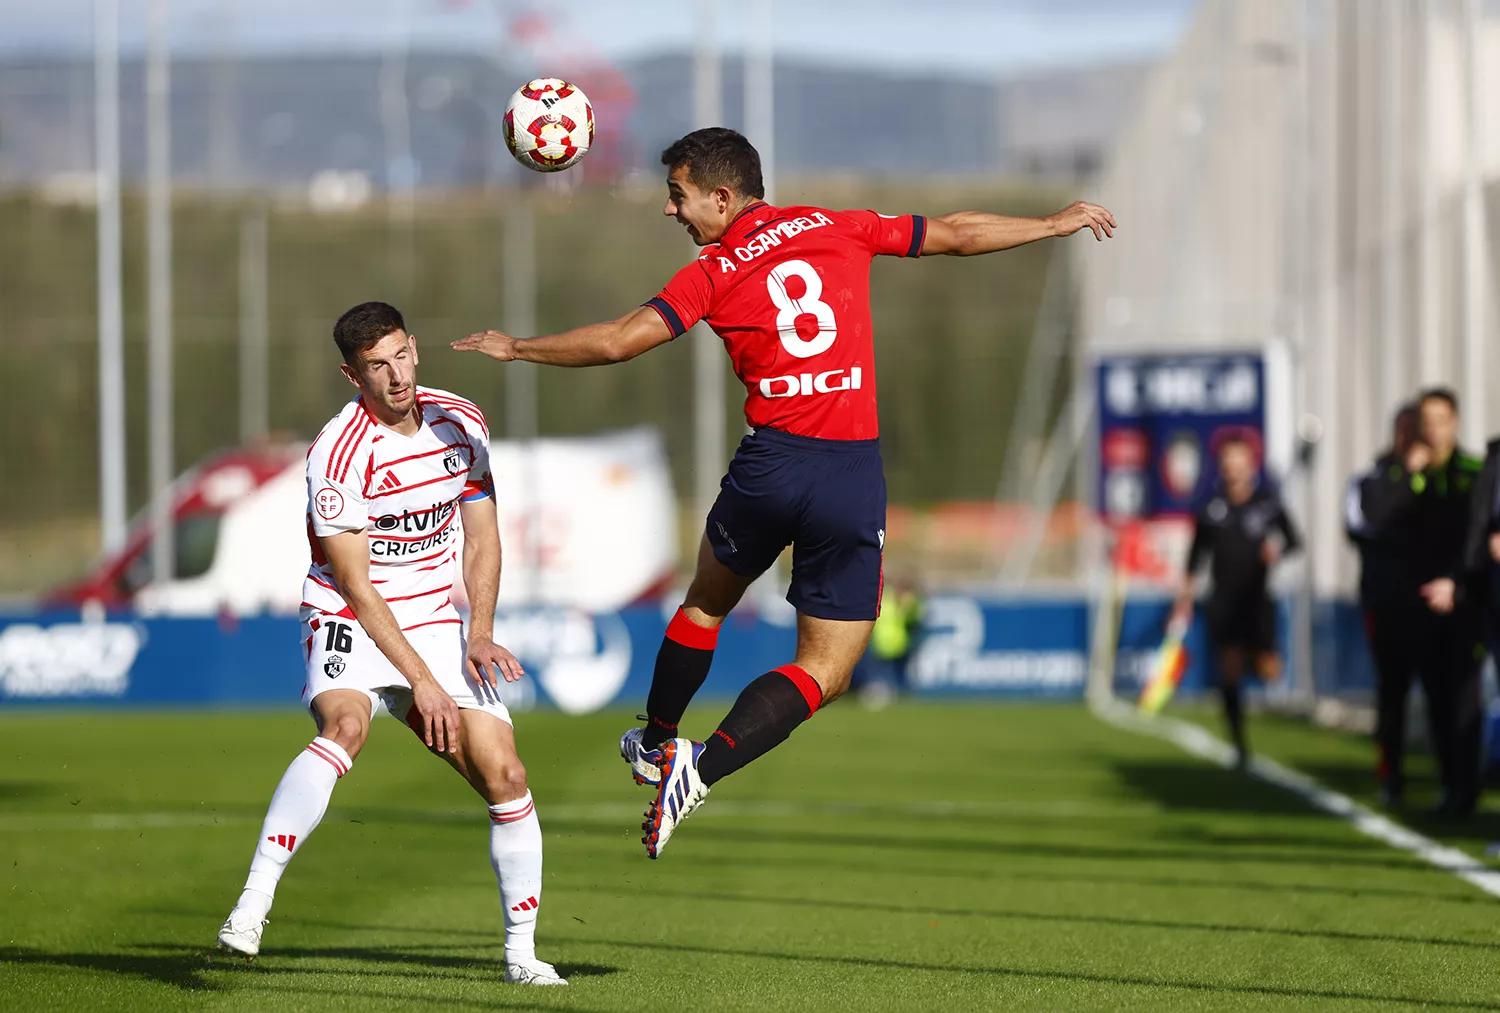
348 731
505 783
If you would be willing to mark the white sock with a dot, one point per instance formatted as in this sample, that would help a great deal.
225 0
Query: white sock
516 854
296 809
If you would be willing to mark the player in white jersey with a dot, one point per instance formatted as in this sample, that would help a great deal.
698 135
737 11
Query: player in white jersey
389 481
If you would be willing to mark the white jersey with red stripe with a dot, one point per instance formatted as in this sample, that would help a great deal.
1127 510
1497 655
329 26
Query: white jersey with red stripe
404 492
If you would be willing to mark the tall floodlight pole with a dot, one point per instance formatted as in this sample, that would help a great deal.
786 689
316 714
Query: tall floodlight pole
521 426
255 385
1430 348
708 367
1394 379
760 91
111 326
400 166
159 286
223 104
1323 360
1476 254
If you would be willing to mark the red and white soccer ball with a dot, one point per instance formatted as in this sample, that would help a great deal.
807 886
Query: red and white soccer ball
549 124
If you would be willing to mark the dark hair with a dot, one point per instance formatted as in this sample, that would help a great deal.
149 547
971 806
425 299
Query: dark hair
715 157
1440 394
365 325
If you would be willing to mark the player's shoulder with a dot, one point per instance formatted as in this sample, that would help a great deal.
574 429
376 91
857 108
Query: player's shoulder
442 404
805 216
340 441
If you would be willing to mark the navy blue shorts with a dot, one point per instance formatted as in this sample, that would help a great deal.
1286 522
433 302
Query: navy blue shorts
826 499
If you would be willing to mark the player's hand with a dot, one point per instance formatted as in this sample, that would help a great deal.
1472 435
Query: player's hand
1083 215
1268 666
1270 552
1440 594
1418 457
498 346
1495 546
1182 609
439 716
485 656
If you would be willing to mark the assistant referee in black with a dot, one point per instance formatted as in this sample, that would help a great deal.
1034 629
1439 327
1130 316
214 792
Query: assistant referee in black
1242 531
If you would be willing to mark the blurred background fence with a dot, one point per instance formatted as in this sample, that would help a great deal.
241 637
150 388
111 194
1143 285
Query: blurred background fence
306 176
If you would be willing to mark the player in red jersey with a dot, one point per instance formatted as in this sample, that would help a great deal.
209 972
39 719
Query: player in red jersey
788 291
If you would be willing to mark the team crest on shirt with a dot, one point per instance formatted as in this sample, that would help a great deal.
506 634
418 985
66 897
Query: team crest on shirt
334 666
453 461
329 503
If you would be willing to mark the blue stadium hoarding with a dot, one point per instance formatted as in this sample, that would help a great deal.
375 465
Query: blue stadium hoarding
1012 648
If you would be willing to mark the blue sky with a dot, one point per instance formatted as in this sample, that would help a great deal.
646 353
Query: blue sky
972 36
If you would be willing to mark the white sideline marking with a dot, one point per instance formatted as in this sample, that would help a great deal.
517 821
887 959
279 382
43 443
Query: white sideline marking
1201 743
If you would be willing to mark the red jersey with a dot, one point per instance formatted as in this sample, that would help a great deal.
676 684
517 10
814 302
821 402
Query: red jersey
788 291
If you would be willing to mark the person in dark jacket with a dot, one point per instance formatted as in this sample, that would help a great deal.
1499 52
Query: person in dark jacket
1380 595
1482 546
1242 531
1426 506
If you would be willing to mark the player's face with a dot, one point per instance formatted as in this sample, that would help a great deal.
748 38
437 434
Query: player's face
386 373
1439 425
1237 466
704 214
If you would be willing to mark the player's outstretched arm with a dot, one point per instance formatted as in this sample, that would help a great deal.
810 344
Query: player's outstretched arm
638 331
349 557
482 582
968 233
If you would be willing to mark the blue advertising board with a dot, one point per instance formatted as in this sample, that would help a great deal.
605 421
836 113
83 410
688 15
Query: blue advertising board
1161 421
1004 648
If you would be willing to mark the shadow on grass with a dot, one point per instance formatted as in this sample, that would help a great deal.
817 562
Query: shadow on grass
187 969
1188 784
1350 854
15 791
924 911
1196 787
707 864
207 917
1421 792
1056 975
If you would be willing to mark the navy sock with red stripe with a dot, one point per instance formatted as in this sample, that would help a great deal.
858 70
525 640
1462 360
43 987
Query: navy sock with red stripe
682 664
764 716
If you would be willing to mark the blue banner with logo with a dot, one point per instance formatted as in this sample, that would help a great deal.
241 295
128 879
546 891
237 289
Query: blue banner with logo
1161 421
580 662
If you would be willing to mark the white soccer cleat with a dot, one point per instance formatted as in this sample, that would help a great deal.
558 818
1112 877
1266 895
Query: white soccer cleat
241 933
532 972
680 793
641 760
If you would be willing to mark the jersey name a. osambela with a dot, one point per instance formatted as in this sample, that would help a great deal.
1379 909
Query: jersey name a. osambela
788 291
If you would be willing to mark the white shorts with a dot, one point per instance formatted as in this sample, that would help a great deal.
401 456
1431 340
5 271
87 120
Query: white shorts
341 655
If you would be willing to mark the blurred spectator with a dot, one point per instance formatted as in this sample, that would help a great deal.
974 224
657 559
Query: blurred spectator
1482 548
1381 586
1425 507
881 673
1244 530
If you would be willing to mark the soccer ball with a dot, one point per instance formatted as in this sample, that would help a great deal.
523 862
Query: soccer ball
549 124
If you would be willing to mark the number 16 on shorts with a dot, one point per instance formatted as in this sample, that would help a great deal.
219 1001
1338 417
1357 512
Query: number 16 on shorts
338 642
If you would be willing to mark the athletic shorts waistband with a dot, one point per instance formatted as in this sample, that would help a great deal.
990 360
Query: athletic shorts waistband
814 444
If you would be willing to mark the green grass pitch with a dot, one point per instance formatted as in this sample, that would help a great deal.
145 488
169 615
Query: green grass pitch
923 857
